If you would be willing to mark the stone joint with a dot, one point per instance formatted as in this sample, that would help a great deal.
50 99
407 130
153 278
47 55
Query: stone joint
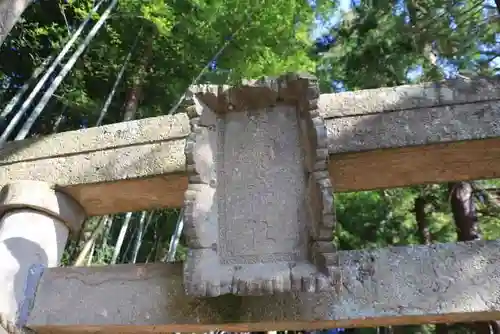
320 200
42 197
289 89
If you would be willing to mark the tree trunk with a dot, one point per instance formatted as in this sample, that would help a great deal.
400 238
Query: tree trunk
132 103
461 196
497 2
400 329
421 218
135 93
10 13
441 329
421 40
385 330
464 211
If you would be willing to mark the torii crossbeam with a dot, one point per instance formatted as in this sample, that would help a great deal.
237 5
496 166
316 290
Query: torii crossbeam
379 138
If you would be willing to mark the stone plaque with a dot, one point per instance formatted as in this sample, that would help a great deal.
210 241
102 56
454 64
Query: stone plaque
258 215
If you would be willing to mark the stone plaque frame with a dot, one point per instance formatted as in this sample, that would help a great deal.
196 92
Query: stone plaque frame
234 171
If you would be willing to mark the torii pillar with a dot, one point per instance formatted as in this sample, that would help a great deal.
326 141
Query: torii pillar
35 223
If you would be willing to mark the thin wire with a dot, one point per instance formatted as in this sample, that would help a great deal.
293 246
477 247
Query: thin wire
197 78
13 102
435 20
174 240
61 8
26 104
429 23
121 237
138 239
57 81
118 79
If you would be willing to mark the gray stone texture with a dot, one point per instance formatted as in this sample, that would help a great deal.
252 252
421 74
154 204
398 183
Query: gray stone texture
414 127
421 96
241 243
41 197
255 204
103 138
142 164
88 164
404 116
448 283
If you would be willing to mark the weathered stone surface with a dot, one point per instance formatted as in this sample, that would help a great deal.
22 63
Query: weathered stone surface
289 89
103 138
34 227
135 166
421 96
250 218
88 163
414 127
394 286
41 197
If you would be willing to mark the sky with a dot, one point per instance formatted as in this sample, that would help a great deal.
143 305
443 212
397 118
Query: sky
323 28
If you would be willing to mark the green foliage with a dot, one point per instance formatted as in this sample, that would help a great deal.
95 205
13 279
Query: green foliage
378 42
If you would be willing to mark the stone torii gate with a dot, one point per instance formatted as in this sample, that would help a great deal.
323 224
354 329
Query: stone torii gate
255 167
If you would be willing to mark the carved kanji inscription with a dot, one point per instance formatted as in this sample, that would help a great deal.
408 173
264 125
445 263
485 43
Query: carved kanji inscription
259 210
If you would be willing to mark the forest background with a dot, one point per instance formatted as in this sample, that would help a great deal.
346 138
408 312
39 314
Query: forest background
148 53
